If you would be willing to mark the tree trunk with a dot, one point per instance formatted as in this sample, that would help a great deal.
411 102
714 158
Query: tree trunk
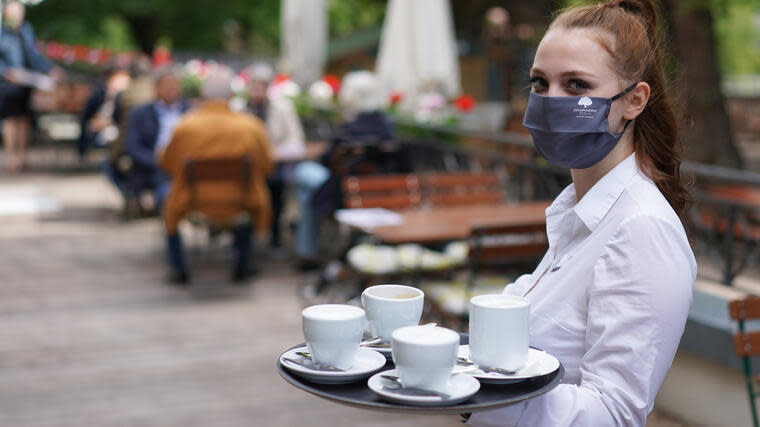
144 30
706 129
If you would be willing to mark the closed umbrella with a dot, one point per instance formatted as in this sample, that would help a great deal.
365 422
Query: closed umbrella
304 39
418 49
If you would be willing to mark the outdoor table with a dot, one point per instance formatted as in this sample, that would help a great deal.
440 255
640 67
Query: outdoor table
442 224
490 396
312 151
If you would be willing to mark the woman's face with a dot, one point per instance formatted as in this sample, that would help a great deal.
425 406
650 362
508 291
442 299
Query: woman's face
572 62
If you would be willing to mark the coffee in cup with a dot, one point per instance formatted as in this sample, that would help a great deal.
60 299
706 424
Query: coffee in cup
390 307
425 356
499 334
333 333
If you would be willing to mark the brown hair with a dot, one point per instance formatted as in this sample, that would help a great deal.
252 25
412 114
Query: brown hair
637 57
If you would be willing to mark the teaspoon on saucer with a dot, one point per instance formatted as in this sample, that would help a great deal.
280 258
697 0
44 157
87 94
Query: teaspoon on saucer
312 365
397 387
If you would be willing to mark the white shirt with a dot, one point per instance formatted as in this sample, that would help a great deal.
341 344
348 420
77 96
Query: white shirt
611 306
168 117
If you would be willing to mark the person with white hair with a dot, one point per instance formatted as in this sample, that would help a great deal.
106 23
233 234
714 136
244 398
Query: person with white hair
362 101
213 130
285 135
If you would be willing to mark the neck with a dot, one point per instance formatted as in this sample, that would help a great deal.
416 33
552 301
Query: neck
584 179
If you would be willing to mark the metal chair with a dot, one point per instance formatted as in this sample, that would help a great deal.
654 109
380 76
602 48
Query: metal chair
747 345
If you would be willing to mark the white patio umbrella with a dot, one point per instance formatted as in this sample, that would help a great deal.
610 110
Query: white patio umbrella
304 39
418 49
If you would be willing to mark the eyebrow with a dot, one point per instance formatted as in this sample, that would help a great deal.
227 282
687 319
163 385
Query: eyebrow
570 73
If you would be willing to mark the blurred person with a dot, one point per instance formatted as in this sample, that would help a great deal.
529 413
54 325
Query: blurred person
118 164
215 131
611 297
149 130
18 54
499 46
285 136
100 119
362 101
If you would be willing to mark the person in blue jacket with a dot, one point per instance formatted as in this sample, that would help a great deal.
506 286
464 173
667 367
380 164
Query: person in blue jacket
18 53
149 129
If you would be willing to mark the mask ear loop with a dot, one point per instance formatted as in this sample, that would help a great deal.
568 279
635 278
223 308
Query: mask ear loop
624 92
618 96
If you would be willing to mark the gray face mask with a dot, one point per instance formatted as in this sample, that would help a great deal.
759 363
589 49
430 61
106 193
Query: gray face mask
572 131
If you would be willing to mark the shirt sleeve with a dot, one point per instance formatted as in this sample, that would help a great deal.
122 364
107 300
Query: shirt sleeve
637 308
37 60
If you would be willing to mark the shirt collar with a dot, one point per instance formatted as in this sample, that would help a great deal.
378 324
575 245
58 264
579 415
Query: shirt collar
163 107
594 206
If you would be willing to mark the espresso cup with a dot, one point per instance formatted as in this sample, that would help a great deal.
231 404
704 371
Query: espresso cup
333 333
499 335
425 356
390 307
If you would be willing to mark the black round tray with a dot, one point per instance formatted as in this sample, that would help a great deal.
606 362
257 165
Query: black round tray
490 396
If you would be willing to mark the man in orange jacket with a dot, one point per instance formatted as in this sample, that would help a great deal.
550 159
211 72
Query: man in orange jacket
214 131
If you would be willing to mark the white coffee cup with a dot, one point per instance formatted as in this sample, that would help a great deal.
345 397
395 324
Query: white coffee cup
499 335
390 307
425 356
333 333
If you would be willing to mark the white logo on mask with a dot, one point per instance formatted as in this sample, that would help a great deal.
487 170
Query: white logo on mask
585 102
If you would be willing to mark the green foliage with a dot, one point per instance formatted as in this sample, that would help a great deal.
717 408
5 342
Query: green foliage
185 24
739 38
348 16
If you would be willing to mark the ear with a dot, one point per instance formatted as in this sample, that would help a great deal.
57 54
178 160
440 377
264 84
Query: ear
636 100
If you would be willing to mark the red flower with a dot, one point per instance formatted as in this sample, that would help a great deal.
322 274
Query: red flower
396 97
333 81
281 78
464 103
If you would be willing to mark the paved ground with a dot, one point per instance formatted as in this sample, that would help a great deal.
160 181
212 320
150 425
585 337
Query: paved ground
91 334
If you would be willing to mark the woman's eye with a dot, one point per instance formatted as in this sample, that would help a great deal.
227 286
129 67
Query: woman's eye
538 84
576 85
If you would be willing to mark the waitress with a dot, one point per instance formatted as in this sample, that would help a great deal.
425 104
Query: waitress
611 296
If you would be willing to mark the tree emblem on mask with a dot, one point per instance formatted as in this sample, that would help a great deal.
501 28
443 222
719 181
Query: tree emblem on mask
585 102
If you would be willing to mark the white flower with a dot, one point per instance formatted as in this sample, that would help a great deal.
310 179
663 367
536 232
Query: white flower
286 89
194 67
321 93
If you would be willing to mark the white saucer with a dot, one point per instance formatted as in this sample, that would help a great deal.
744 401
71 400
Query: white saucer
539 363
461 387
384 350
366 363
